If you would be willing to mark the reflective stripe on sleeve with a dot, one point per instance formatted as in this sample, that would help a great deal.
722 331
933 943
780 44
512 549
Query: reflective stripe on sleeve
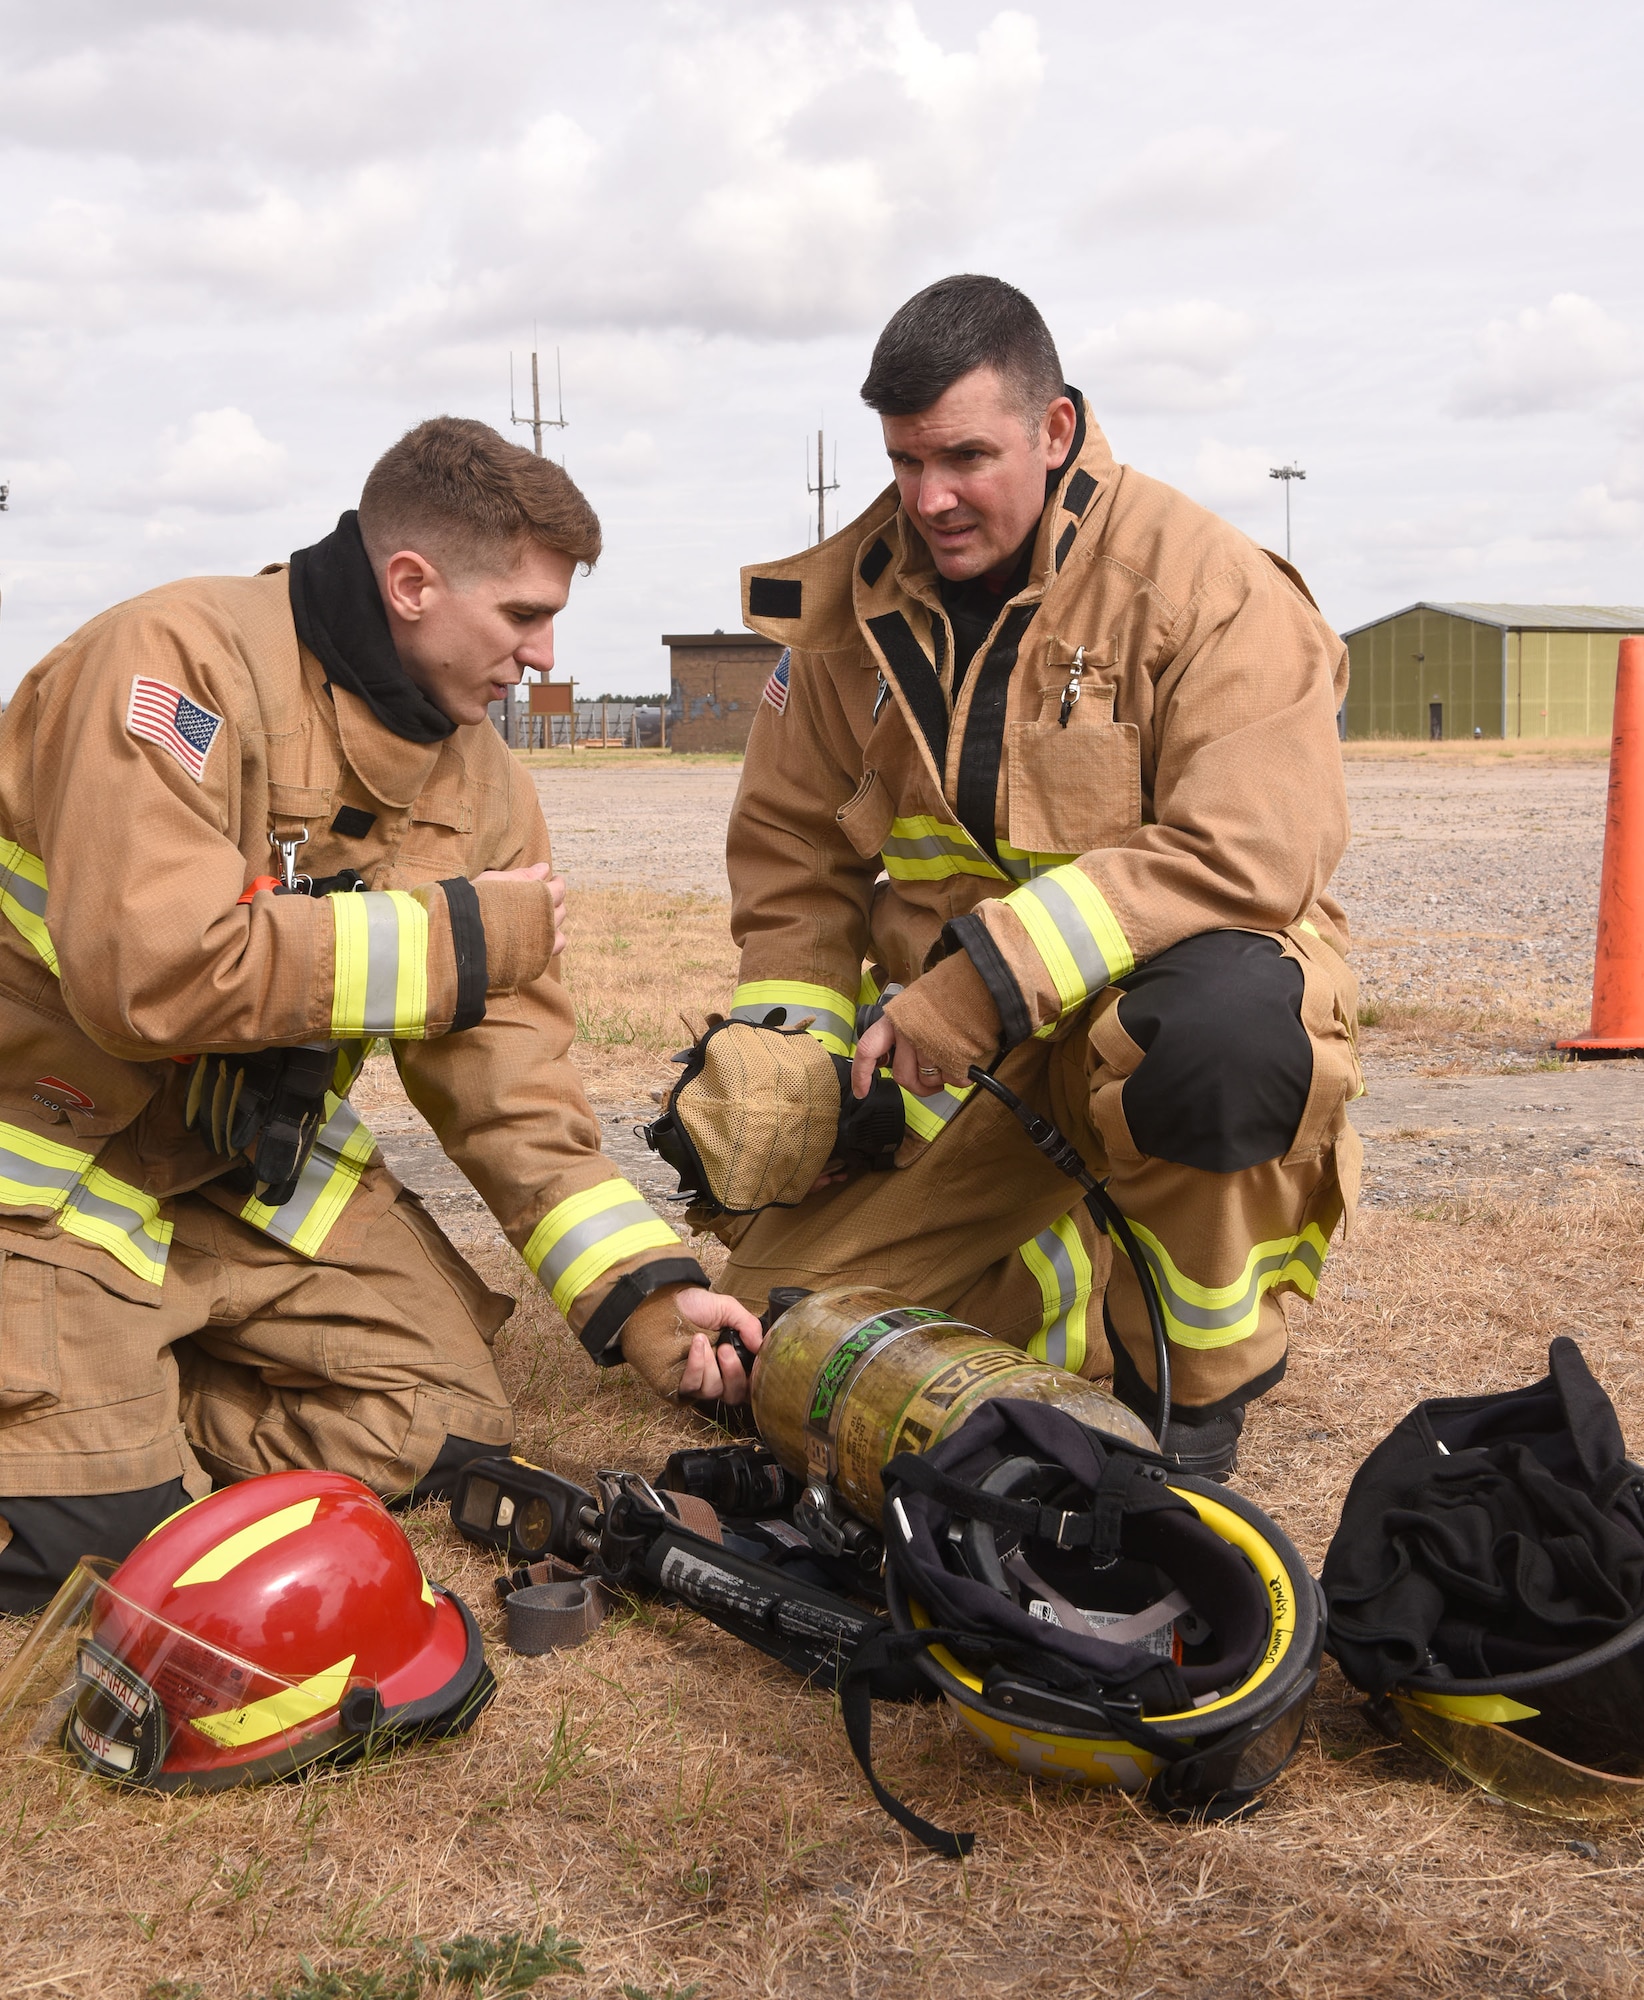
1074 932
86 1201
1206 1316
23 899
380 979
1060 1262
1023 866
834 1025
578 1240
325 1185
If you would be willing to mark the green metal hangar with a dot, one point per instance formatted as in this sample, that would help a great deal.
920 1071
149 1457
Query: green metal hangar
1446 670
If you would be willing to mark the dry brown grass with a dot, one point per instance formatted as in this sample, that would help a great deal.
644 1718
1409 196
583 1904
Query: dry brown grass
1444 1039
639 961
678 1805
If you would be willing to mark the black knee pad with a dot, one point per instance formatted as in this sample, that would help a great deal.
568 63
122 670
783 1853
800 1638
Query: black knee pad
51 1532
1227 1066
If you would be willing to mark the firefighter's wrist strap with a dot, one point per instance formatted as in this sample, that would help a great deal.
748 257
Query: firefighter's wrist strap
549 1617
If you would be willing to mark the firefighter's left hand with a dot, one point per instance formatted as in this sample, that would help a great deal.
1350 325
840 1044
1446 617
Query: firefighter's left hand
714 1373
881 1047
539 871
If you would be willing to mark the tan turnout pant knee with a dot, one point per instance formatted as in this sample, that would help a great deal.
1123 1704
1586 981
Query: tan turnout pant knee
982 1225
253 1360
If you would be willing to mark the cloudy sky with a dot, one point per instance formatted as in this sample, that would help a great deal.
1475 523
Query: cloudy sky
242 247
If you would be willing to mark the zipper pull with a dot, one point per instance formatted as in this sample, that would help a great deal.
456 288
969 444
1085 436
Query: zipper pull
881 697
1070 694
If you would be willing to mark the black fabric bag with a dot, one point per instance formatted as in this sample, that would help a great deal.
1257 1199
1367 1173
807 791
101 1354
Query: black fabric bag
1489 1535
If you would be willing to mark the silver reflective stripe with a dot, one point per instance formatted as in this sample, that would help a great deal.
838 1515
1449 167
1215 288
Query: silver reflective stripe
1076 935
328 1179
823 1020
382 976
34 1176
1206 1316
583 1236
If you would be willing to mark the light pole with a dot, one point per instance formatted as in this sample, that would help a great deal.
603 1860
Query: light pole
1286 473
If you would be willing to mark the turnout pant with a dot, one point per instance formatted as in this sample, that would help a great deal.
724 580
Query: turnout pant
1209 1091
254 1359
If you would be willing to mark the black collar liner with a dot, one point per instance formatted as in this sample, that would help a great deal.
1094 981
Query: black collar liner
340 619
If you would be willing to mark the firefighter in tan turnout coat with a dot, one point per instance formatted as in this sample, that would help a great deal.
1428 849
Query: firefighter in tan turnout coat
167 1318
1068 786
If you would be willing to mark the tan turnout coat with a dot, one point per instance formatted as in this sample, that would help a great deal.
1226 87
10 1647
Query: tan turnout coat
1196 785
124 949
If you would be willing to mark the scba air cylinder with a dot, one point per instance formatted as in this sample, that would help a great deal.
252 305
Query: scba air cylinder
849 1377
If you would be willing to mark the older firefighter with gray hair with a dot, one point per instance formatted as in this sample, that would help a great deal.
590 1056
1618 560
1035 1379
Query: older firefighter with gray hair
248 826
1052 754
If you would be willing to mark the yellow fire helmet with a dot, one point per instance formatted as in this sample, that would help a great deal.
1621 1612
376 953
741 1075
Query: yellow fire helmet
1486 1589
1092 1614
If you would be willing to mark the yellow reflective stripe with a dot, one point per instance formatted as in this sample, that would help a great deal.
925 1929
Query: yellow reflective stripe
921 848
1022 865
237 1548
87 1201
834 1025
580 1238
290 1708
23 899
927 1117
380 965
351 1056
1471 1707
1075 932
325 1186
1207 1316
1059 1261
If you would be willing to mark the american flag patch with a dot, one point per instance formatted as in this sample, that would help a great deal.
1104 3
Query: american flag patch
776 688
160 713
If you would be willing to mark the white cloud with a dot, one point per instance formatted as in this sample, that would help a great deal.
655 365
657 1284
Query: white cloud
1563 356
1224 474
223 462
1175 357
1194 178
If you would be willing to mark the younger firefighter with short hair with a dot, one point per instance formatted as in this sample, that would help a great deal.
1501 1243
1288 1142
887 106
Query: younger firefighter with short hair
205 1270
1053 750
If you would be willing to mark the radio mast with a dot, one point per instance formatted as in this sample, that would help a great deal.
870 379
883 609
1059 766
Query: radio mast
537 421
822 488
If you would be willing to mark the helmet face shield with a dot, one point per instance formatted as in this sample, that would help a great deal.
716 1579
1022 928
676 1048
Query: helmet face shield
136 1699
1493 1757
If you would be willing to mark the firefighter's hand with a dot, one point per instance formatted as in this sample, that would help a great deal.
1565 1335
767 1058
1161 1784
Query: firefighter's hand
881 1046
714 1373
665 1340
539 871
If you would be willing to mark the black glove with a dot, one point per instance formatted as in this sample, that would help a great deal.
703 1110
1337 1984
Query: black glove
269 1106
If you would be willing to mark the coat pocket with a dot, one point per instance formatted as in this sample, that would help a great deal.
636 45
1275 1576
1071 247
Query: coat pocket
29 1375
865 817
1078 788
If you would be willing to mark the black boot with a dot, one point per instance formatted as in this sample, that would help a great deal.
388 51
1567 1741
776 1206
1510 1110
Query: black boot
1206 1450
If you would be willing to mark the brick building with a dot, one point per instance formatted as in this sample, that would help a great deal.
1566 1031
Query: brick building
716 680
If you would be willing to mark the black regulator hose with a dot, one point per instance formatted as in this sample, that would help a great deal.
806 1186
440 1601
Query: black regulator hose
1064 1155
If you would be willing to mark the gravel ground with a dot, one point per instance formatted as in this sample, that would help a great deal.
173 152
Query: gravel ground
1468 888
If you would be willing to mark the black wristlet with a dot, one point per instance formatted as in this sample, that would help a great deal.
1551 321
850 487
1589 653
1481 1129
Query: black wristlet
468 949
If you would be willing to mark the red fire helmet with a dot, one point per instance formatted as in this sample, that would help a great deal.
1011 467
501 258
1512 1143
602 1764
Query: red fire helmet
278 1622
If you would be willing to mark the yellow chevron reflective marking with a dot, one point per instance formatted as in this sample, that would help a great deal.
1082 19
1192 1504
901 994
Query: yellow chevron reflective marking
427 1592
23 899
1060 1262
380 965
1472 1707
834 1022
580 1238
1208 1316
276 1713
86 1201
237 1548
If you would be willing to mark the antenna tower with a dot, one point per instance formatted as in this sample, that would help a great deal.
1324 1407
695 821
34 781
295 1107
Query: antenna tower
538 422
823 487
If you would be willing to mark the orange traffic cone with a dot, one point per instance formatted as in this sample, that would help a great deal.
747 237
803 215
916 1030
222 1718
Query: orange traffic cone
1618 970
